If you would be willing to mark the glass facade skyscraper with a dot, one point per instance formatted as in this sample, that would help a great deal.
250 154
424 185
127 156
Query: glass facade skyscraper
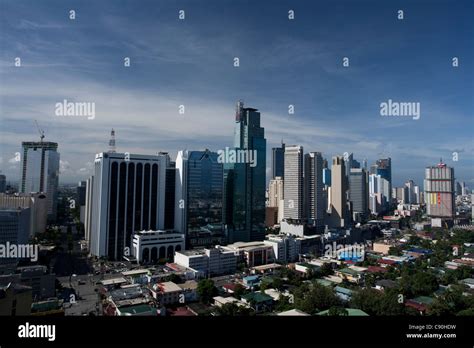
244 181
199 198
278 161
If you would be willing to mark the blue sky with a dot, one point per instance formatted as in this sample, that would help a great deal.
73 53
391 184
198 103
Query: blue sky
190 62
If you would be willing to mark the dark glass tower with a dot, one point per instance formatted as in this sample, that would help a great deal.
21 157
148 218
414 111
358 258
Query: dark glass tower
245 182
278 161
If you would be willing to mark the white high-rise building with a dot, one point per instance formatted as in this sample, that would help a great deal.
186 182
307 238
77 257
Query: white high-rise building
293 186
128 195
379 193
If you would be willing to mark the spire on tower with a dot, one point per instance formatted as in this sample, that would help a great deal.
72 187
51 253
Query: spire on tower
112 141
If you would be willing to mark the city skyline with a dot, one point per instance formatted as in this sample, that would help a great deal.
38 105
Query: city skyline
194 68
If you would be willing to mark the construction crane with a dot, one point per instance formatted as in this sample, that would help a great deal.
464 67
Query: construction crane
40 131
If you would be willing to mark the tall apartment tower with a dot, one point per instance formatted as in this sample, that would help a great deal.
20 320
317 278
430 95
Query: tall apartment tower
128 195
313 190
245 183
278 161
439 191
293 186
359 193
199 197
339 211
40 172
276 196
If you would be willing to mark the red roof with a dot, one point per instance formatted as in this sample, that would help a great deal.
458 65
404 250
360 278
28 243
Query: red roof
376 269
181 312
418 306
229 286
386 262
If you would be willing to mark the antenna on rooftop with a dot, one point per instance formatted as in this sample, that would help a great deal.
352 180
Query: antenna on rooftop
112 141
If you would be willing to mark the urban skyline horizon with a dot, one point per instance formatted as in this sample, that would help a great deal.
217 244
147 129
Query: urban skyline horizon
396 183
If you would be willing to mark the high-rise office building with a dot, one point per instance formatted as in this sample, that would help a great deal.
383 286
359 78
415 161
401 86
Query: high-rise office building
128 196
350 163
14 229
88 209
199 197
458 188
383 167
339 187
276 197
293 186
245 181
327 176
3 183
379 194
439 191
313 190
278 161
40 172
359 193
170 195
35 203
416 190
410 185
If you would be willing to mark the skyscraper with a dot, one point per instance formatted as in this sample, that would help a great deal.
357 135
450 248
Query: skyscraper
379 194
383 167
199 196
40 172
410 185
293 184
244 181
339 211
313 190
3 183
278 161
359 193
276 197
439 191
128 196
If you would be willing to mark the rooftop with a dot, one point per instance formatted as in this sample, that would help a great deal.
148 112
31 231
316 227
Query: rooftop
258 297
293 312
169 287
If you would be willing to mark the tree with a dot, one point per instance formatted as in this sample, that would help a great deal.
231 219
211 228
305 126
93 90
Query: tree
316 299
375 302
239 290
232 309
175 278
206 290
326 269
338 311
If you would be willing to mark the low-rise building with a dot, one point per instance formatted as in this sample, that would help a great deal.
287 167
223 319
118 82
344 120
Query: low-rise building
252 253
286 248
169 293
152 246
211 262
